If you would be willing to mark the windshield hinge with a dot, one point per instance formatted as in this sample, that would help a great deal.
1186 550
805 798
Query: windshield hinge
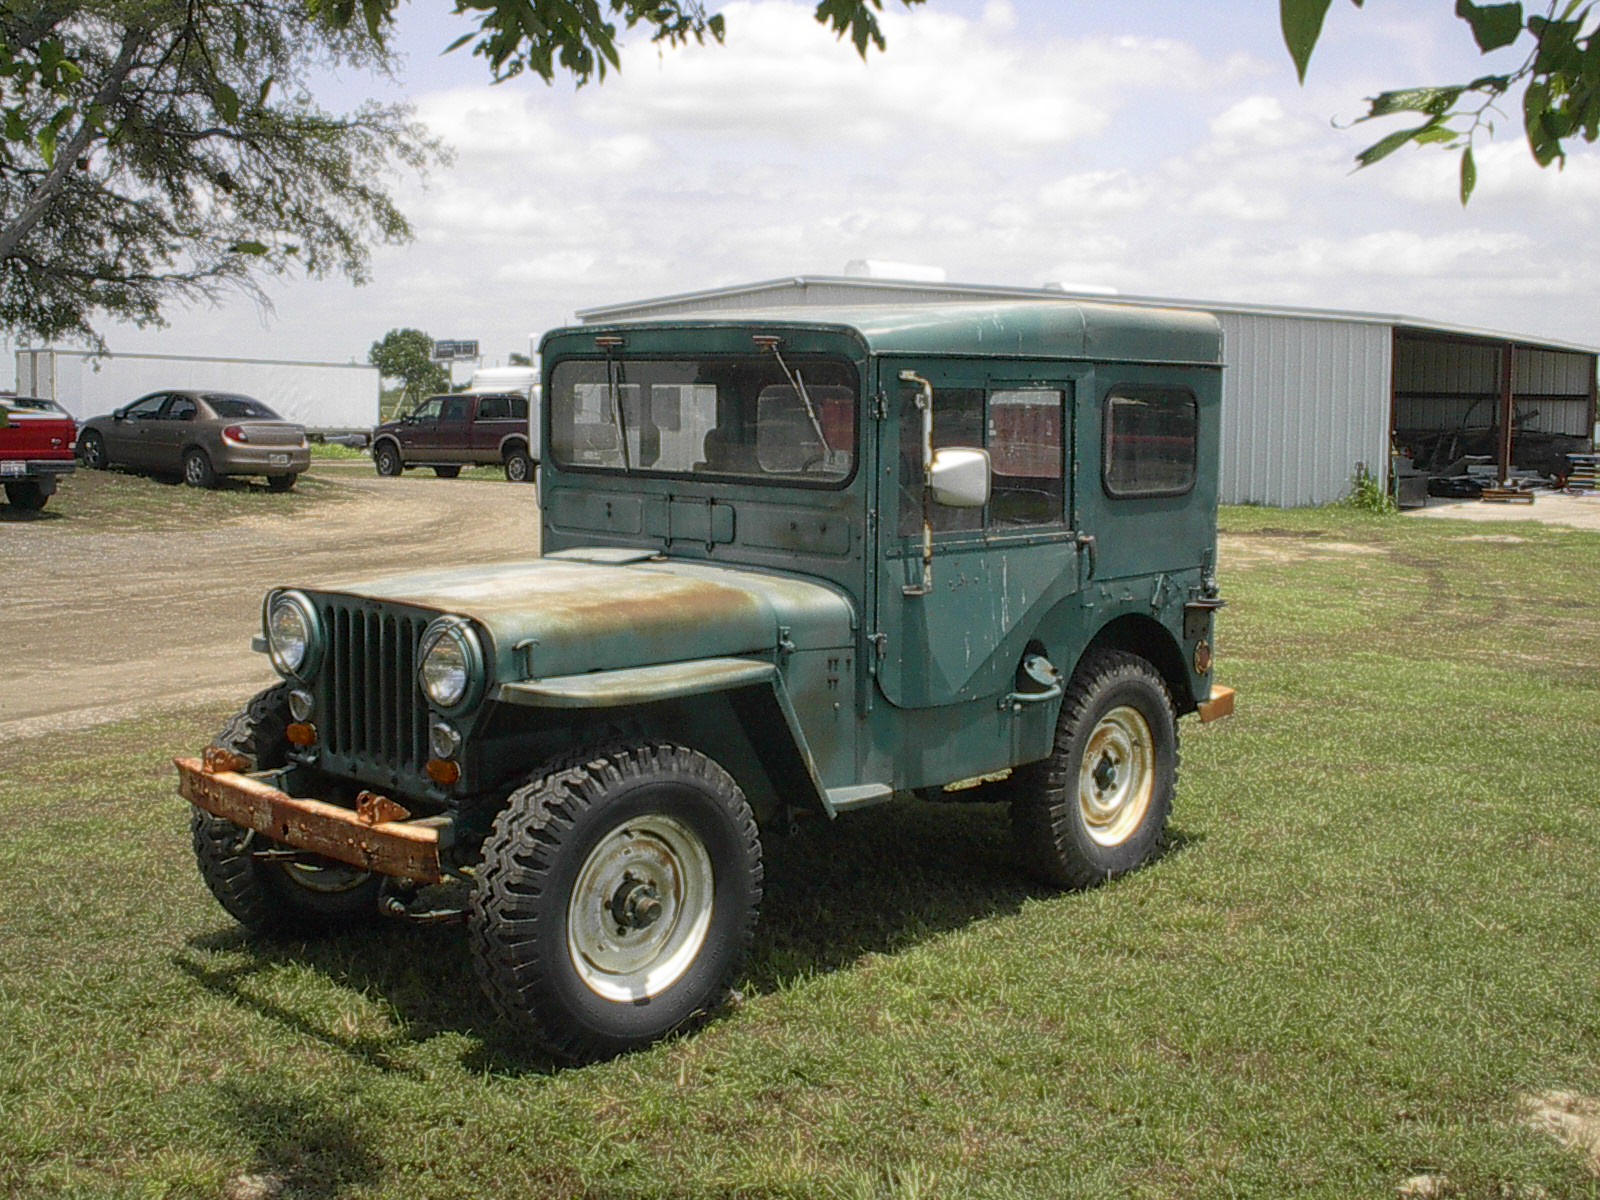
880 642
880 407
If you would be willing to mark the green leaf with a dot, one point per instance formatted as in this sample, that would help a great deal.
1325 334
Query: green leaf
1469 175
47 145
226 101
1493 25
1384 147
1302 26
1435 101
253 248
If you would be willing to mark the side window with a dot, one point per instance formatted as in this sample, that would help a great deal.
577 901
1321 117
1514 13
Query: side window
957 421
428 410
181 408
456 408
492 408
1151 441
519 407
1022 428
1026 453
147 408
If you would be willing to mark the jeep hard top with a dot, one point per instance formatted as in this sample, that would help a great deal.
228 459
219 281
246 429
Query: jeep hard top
792 563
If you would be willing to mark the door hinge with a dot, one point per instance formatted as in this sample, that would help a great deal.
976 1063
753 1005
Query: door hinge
880 644
880 407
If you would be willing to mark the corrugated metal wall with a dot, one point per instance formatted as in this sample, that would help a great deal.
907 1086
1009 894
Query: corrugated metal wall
1304 401
1444 385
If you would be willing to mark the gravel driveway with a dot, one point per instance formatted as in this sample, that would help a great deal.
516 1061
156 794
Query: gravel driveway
99 625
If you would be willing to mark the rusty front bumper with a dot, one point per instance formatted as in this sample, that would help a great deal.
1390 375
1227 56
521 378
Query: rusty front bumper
407 849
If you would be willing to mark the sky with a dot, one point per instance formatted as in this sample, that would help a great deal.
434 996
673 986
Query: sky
1155 147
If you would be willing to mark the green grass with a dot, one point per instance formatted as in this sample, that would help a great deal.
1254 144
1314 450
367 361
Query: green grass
1376 931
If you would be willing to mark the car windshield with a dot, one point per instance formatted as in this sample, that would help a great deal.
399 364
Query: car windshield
236 407
745 416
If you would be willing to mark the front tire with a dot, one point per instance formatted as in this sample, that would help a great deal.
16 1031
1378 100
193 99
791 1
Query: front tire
197 469
616 899
302 897
386 458
1098 806
29 495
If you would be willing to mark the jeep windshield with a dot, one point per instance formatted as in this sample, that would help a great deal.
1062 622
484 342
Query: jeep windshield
738 416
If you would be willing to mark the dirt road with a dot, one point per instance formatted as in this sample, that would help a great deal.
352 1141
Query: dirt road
100 626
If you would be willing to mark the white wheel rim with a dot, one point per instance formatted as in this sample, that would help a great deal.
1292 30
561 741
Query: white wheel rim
640 909
1116 778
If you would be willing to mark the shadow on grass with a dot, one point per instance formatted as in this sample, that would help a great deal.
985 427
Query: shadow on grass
304 1146
11 514
878 882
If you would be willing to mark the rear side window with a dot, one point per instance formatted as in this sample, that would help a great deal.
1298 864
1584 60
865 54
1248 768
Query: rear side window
237 407
1151 441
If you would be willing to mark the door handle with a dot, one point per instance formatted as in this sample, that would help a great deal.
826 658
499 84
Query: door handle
1086 541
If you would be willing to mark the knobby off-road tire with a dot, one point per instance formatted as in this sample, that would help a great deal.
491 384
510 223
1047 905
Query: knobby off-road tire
1098 806
616 899
386 459
274 897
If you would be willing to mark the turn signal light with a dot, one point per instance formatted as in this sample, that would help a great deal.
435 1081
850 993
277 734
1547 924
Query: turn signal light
302 734
442 771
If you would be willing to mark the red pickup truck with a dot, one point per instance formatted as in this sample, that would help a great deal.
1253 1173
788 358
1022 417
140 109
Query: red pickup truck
38 439
457 430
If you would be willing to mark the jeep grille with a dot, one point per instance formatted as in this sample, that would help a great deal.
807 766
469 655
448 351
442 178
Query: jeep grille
375 711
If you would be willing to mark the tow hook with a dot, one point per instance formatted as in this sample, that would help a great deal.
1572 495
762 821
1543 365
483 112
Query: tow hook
404 902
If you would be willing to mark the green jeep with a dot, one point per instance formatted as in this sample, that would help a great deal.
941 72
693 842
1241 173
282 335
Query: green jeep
793 563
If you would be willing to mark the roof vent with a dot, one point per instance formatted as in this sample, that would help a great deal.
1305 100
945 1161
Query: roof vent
879 268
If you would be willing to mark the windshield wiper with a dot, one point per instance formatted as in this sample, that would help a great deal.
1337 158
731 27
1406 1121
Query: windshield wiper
799 386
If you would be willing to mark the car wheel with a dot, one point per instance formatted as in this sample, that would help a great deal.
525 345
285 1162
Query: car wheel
1098 806
519 467
447 472
27 495
280 483
616 899
92 449
303 895
386 458
197 469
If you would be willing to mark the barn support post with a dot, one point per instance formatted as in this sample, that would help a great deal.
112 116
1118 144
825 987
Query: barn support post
1508 355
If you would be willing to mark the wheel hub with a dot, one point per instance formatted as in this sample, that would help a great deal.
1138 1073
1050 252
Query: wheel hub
1117 779
640 909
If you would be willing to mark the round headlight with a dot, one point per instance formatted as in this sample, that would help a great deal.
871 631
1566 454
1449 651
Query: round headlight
452 663
292 634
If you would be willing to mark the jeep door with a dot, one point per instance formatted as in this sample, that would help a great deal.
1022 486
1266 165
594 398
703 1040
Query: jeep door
996 569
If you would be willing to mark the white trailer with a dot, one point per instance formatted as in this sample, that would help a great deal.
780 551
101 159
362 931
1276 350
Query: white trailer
321 396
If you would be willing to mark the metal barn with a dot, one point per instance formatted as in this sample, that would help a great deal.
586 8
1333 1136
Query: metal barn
1308 394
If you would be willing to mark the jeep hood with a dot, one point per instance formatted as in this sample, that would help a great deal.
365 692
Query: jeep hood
603 609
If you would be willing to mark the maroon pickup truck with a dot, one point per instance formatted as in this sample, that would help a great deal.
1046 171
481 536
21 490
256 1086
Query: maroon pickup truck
37 441
462 429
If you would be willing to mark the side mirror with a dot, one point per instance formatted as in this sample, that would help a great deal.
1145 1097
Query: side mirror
960 477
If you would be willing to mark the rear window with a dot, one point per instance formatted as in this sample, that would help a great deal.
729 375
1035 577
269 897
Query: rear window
240 407
1151 441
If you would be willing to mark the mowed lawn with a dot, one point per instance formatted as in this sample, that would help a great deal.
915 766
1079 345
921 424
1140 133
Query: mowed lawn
1373 954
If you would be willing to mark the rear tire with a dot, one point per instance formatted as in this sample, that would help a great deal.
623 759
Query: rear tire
616 899
1098 806
519 467
197 469
29 496
386 458
280 483
447 472
268 897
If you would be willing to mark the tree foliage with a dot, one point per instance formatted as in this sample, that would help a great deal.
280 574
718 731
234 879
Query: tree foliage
407 355
1558 79
154 151
579 37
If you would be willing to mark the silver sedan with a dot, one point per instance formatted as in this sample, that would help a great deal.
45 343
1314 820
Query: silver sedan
200 435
